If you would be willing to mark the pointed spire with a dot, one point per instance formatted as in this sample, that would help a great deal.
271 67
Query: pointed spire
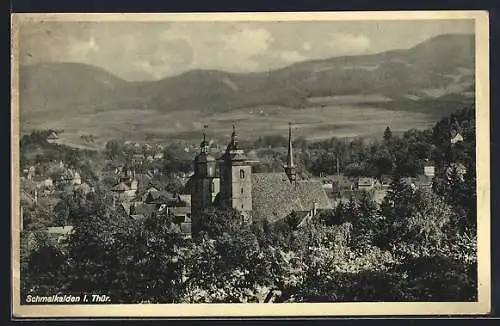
233 145
289 157
204 143
289 167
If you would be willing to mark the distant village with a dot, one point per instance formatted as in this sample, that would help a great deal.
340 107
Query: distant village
222 178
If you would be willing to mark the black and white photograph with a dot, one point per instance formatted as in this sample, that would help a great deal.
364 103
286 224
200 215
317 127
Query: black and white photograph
250 164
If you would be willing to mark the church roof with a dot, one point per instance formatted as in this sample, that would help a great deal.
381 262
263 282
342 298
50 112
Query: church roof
275 197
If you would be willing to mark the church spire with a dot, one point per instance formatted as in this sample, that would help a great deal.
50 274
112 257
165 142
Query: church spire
290 167
289 157
233 145
204 144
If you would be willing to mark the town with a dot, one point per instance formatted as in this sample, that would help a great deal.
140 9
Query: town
281 192
140 194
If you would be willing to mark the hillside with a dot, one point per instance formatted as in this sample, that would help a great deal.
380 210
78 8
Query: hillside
433 70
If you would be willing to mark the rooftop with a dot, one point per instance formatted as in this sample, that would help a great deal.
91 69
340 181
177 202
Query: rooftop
275 197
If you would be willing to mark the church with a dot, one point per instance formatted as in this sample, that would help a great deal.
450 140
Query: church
274 197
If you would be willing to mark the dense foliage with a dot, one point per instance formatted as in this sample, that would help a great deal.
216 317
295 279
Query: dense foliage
418 245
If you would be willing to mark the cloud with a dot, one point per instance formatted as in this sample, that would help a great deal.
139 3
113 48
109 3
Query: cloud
79 50
348 43
241 48
306 46
247 41
291 56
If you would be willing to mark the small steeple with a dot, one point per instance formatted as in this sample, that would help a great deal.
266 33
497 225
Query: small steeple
290 167
289 157
233 145
204 144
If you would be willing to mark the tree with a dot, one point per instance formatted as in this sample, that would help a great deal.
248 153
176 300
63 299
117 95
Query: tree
214 222
387 134
176 159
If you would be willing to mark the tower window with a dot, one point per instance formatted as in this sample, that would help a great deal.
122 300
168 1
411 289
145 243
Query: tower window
242 190
242 174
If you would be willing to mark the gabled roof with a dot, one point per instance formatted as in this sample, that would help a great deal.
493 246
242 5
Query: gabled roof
27 198
145 209
274 197
126 207
160 197
143 178
121 187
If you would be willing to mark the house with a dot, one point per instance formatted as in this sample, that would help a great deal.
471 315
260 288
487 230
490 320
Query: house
117 168
43 182
59 233
143 179
137 210
423 182
385 181
429 171
158 156
138 158
409 181
84 188
366 183
125 190
456 137
341 183
69 177
161 197
52 137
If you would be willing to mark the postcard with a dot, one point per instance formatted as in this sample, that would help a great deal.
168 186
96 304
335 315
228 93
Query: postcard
250 164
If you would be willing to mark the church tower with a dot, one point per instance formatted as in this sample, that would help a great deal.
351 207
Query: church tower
203 181
289 166
236 179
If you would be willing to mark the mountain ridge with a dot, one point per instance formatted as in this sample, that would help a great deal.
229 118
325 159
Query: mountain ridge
431 70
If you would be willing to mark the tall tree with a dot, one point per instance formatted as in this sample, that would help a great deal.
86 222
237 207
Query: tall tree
387 134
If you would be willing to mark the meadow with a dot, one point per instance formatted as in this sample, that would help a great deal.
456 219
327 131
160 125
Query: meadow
321 120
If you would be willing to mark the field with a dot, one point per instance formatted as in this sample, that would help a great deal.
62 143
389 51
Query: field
326 117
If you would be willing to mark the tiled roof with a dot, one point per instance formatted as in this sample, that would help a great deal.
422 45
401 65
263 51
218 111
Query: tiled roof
126 207
120 187
312 191
274 197
60 229
143 179
160 197
145 209
180 210
27 198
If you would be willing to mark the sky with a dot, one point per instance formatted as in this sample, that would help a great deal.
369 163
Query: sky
153 50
